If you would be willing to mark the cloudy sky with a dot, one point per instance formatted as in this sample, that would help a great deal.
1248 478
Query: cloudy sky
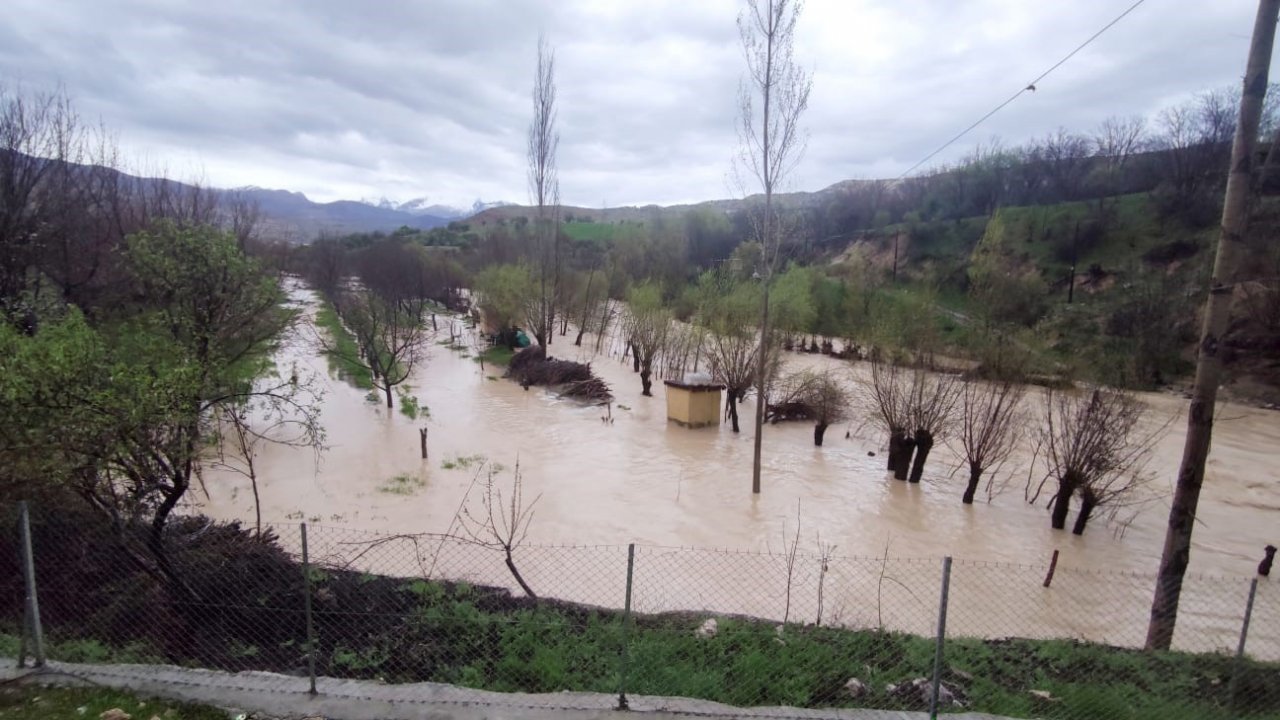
346 99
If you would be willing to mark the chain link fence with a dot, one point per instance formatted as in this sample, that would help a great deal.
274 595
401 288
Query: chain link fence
319 605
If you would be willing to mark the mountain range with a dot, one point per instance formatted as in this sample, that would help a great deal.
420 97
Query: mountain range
292 216
424 206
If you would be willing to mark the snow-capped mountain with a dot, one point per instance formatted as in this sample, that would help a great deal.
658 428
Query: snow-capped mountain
424 206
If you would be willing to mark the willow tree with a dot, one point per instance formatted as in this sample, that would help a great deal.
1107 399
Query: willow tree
817 395
990 423
931 403
727 307
771 101
647 325
887 396
1092 447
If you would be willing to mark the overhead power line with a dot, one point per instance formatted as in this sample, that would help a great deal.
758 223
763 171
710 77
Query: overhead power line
1029 87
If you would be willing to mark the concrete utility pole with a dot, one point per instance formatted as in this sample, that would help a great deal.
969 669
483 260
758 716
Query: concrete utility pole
1217 315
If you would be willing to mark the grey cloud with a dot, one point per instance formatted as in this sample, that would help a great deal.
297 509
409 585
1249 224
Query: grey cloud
341 99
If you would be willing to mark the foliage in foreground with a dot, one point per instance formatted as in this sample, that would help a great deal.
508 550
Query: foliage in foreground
401 630
36 702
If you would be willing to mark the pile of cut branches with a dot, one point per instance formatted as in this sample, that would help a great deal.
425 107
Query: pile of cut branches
531 366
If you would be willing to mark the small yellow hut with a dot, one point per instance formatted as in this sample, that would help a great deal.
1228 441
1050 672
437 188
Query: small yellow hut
694 402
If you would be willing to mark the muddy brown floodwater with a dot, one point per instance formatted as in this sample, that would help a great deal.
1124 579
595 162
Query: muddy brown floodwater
640 479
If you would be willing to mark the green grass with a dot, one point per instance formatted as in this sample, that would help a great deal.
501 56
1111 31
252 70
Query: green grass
84 650
468 636
462 462
345 348
1132 229
594 232
410 407
403 484
36 702
484 638
496 355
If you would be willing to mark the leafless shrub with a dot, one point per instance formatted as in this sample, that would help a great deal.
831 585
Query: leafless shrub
991 423
683 344
887 395
915 407
1092 447
931 406
501 524
811 395
732 356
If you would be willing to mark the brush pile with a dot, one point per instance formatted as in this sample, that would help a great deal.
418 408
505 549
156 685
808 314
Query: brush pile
531 366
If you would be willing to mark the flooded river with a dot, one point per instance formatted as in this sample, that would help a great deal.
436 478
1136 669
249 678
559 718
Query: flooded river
640 479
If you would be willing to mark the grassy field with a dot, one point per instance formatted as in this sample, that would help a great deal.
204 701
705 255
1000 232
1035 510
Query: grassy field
595 232
496 355
344 348
35 702
413 630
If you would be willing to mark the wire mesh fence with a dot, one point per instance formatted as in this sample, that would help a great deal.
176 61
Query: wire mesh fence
320 605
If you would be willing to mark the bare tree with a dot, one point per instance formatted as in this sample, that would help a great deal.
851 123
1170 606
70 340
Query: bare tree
1091 446
39 134
772 100
815 395
588 303
931 403
1195 140
991 422
390 337
681 349
241 426
605 312
887 394
1115 142
544 189
325 265
502 524
732 355
1066 162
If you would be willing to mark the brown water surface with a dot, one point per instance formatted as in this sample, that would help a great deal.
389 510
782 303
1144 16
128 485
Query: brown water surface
640 479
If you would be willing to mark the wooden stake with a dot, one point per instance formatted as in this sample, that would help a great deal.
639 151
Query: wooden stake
1053 567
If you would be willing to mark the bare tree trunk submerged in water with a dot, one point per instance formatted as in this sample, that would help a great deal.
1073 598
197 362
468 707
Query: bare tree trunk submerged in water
818 432
1087 504
924 443
731 410
975 477
906 449
1062 501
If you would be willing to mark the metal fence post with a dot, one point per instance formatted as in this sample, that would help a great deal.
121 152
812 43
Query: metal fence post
32 607
306 603
942 635
1244 636
626 627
